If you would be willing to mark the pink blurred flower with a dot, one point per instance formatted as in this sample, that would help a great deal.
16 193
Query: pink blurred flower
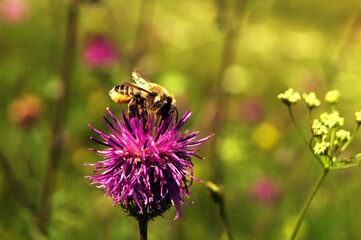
13 11
264 190
252 110
99 51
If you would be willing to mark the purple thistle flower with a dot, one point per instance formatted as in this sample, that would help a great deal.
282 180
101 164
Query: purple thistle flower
147 168
100 51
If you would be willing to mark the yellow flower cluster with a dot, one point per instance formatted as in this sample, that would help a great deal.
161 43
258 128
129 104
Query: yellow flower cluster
289 97
328 138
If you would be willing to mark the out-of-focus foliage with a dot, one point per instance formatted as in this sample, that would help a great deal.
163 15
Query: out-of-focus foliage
226 61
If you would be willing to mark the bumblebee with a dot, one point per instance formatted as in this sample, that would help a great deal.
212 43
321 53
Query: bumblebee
143 95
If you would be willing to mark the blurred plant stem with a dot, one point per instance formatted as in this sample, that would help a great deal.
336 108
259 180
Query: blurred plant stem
225 222
290 113
19 192
44 212
341 54
307 203
143 228
217 196
143 34
229 21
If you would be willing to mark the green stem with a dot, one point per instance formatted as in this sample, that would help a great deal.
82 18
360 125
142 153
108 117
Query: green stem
143 228
225 222
350 140
301 215
318 157
57 141
143 31
295 123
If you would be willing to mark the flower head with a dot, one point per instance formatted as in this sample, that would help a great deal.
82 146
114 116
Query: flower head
343 135
147 168
311 100
264 190
318 129
289 97
321 148
13 11
328 139
332 96
358 117
252 110
26 110
99 52
331 120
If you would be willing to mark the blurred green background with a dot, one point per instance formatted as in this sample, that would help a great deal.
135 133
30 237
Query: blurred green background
226 61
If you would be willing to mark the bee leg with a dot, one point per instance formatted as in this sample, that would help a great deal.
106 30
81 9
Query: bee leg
133 108
175 111
166 110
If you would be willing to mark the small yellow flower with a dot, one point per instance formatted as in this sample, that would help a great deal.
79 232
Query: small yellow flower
289 97
318 129
331 120
266 135
332 96
311 100
343 135
321 148
358 117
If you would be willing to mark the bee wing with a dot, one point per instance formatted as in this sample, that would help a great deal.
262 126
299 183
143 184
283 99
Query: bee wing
135 86
139 78
118 96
